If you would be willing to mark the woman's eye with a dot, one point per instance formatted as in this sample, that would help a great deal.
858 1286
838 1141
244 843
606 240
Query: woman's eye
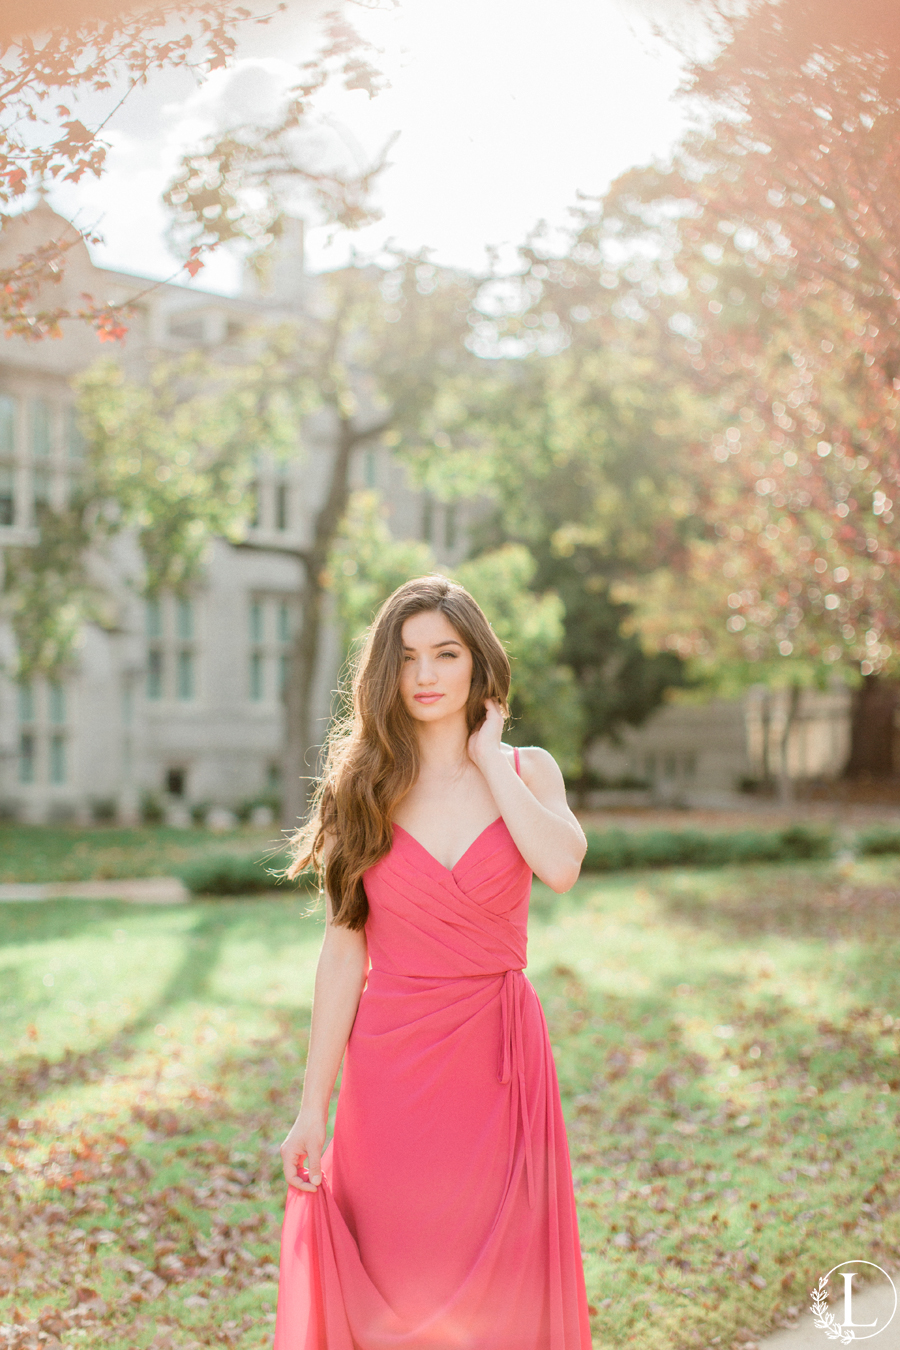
452 655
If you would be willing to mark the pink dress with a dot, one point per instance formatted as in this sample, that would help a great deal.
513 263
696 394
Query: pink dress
446 1217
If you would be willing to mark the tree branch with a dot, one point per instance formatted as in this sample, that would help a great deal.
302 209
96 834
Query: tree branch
302 555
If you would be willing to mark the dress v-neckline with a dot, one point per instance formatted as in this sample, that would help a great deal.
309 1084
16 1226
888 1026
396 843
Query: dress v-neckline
461 858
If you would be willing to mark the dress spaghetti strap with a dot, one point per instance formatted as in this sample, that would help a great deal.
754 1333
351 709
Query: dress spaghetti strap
516 753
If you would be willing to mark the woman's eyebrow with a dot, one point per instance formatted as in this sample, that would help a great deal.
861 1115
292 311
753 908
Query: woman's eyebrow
448 642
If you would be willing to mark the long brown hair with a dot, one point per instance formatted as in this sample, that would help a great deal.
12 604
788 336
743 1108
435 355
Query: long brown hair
372 758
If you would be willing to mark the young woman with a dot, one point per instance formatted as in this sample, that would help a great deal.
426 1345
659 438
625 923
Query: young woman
441 1215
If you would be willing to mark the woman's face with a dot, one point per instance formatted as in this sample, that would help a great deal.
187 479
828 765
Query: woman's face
437 667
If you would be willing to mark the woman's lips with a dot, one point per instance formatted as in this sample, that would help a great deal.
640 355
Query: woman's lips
427 698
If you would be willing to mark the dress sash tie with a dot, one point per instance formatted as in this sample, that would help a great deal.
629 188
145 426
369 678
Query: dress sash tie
512 1064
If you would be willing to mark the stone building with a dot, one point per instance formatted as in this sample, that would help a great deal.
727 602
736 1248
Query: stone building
707 754
177 705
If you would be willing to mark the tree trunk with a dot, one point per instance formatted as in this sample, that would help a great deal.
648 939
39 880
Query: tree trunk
581 784
302 741
765 718
785 782
298 766
872 728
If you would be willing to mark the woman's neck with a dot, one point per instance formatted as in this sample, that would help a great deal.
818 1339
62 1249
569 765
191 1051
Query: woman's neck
443 746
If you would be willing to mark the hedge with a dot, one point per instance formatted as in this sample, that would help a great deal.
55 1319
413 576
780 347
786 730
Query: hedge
608 851
616 850
880 839
231 874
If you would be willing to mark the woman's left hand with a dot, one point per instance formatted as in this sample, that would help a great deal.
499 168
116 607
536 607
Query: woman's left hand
486 739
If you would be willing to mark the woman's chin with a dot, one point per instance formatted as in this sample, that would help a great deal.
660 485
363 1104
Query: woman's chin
434 712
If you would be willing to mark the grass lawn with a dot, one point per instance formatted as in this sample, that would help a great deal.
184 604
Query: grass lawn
66 853
727 1050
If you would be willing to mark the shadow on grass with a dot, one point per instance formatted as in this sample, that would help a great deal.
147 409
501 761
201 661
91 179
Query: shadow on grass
30 1077
26 923
798 906
636 1091
864 918
762 1032
699 1174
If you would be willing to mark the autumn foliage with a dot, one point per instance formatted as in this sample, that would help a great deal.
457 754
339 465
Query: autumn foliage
112 50
768 253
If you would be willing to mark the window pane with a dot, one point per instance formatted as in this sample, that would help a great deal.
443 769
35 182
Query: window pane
370 470
184 619
57 759
41 486
256 622
256 676
7 496
40 428
281 507
7 425
282 672
284 623
26 757
57 704
155 673
26 703
154 617
185 675
74 438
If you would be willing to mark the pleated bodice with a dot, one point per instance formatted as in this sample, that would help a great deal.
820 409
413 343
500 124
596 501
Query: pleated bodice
471 919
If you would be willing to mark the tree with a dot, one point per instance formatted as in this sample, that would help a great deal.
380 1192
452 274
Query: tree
42 138
770 249
804 151
388 351
234 186
792 571
586 430
167 463
171 460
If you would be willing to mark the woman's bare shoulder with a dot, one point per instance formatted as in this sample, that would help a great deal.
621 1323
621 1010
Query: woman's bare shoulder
535 760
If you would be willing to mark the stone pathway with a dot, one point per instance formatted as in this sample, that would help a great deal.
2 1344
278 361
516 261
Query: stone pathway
141 890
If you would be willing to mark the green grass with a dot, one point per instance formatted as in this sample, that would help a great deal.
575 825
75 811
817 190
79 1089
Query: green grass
64 853
727 1045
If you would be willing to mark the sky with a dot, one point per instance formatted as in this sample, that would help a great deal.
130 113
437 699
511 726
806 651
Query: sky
498 114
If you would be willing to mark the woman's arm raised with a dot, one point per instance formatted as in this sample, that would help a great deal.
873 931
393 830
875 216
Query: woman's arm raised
545 831
340 976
